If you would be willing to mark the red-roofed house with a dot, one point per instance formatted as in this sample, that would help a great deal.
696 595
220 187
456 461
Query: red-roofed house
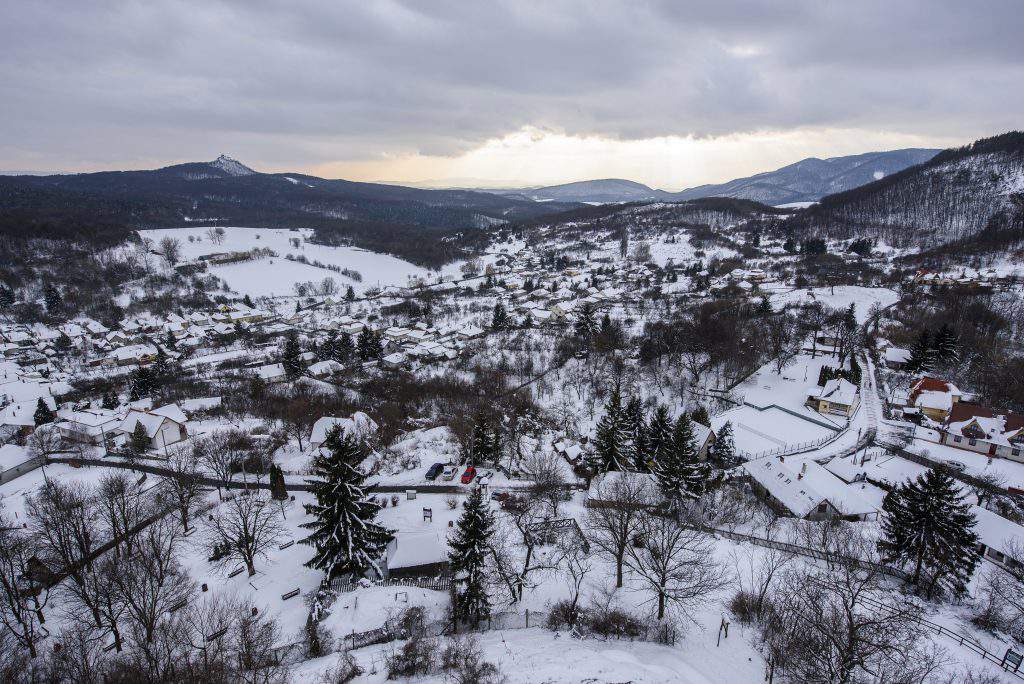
978 428
934 398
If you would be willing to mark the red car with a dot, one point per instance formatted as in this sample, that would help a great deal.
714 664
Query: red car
469 475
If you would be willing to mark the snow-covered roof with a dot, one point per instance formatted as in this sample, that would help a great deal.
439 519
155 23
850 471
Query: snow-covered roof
802 488
836 391
997 532
359 425
421 548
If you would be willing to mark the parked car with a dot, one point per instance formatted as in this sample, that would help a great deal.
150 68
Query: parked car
434 471
449 472
469 475
957 466
481 476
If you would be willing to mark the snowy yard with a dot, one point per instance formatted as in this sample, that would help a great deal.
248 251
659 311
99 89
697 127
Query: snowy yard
840 297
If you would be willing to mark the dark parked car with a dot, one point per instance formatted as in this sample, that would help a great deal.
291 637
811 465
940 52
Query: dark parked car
434 471
469 475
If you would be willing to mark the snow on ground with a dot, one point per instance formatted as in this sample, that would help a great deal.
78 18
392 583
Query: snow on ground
840 297
539 656
760 426
276 275
368 608
975 464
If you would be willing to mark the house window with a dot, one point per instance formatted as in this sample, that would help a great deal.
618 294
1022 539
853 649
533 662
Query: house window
972 441
1015 451
958 439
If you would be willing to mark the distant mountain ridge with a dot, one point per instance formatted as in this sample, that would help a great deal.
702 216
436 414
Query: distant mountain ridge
804 181
106 207
969 194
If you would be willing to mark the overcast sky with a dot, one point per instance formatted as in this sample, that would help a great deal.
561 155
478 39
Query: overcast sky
668 93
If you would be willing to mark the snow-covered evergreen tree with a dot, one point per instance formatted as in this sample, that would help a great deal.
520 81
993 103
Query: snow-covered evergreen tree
500 320
469 549
944 344
345 349
928 526
44 414
722 452
636 424
921 354
291 356
343 533
659 435
611 441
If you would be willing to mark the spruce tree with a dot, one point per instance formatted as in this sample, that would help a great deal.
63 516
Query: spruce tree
944 344
369 345
659 435
343 533
611 440
345 349
469 548
700 415
350 294
53 299
44 414
328 349
247 300
291 356
722 452
928 525
585 328
921 356
140 441
109 400
162 364
636 425
170 341
482 443
500 320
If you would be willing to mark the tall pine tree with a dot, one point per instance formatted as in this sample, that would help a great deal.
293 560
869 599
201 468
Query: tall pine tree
921 354
636 424
722 452
291 356
44 414
343 532
659 435
928 526
944 344
469 549
611 441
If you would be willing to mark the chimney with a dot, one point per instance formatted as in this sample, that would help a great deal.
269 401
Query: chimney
803 468
800 475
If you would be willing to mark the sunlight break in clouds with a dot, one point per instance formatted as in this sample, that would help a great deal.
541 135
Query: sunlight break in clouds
532 156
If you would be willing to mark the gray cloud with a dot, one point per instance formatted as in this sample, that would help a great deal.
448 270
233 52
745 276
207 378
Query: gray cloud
294 84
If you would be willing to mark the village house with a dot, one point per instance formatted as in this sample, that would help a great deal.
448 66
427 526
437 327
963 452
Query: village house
839 397
807 490
932 398
976 428
88 426
164 426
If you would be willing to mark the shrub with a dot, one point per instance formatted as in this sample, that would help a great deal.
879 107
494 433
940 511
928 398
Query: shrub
415 658
562 615
463 661
743 606
613 622
345 671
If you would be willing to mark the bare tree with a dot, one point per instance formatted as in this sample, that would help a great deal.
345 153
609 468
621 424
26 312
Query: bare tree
577 562
170 249
988 486
520 557
758 573
216 235
184 484
842 625
22 599
548 488
254 635
676 563
65 528
614 517
219 452
152 582
298 415
247 527
119 499
45 440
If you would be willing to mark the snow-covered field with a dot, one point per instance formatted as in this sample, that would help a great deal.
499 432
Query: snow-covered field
276 275
840 297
